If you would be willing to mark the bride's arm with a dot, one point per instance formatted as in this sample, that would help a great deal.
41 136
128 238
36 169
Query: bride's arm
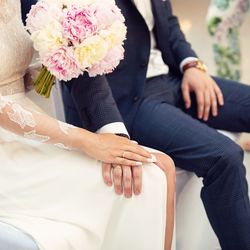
37 126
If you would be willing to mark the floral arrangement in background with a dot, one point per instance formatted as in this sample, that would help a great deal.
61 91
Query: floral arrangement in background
75 36
224 21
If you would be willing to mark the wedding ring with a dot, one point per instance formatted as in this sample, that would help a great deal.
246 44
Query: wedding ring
123 155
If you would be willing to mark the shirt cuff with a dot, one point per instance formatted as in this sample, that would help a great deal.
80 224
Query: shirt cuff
114 128
187 60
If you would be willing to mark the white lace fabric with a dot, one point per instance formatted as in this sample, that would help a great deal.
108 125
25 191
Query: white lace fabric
34 125
16 48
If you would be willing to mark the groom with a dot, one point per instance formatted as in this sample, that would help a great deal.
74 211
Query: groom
169 102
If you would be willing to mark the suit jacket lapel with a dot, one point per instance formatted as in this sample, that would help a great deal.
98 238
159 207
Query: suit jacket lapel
161 15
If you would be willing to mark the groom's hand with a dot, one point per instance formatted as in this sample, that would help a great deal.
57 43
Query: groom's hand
126 179
208 93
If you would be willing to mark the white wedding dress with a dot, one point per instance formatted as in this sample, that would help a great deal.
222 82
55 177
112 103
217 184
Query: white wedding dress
57 196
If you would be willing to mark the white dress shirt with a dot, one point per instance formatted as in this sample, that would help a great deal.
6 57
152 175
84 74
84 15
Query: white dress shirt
156 65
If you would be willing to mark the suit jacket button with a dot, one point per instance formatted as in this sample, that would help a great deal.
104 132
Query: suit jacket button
136 98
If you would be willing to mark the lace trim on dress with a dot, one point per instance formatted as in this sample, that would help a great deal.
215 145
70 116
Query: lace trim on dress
3 103
62 146
7 13
32 135
65 127
12 88
21 116
34 125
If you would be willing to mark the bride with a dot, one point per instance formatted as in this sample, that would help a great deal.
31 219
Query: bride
52 196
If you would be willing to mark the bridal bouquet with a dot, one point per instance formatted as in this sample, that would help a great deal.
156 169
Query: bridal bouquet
75 36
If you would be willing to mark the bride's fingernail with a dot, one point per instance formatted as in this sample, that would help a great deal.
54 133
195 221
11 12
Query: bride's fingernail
135 142
137 192
153 157
138 163
151 160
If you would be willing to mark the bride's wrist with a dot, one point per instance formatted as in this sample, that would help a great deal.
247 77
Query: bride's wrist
85 139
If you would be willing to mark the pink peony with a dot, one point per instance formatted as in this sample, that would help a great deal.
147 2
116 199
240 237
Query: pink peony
109 63
62 64
107 13
79 23
41 14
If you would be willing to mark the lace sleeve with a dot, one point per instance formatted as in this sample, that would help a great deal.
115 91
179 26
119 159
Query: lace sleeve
37 126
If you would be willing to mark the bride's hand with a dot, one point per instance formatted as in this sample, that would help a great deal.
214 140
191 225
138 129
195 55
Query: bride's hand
110 148
31 75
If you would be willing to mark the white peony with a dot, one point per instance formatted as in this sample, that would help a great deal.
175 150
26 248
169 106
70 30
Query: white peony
49 39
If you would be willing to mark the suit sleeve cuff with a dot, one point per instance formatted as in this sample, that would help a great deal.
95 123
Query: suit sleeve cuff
114 128
187 60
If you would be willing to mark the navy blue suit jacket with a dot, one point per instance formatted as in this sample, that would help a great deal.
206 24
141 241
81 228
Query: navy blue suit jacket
95 102
127 81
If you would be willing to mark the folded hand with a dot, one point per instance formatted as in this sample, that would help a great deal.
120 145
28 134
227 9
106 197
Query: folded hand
126 179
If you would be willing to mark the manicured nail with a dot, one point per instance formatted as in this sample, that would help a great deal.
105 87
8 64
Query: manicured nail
137 192
150 160
135 142
153 158
128 195
118 191
138 163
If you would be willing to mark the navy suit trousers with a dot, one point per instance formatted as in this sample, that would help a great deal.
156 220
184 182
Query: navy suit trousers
162 122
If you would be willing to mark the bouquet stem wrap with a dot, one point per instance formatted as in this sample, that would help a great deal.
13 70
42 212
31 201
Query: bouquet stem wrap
44 83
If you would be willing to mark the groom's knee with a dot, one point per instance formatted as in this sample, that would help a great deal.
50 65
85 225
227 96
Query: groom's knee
226 161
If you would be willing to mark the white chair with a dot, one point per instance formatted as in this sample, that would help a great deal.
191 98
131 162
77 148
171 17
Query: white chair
193 231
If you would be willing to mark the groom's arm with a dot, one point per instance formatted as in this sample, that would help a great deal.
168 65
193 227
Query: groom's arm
95 104
92 97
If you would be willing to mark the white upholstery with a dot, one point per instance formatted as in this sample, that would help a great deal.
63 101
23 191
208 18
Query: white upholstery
57 101
193 231
12 238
